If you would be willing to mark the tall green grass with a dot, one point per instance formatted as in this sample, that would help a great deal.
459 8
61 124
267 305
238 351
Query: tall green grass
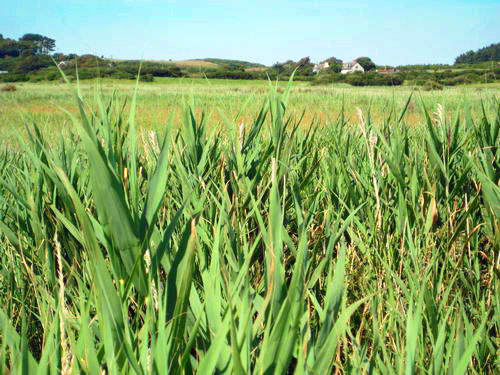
271 248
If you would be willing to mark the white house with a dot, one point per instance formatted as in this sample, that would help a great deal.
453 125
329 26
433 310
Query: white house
351 67
4 72
319 67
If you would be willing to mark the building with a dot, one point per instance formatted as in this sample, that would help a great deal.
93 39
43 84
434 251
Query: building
351 67
319 67
3 72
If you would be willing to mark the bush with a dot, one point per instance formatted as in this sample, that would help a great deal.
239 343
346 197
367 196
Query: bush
44 75
13 77
230 74
415 82
489 77
9 88
62 80
146 78
85 73
31 63
356 79
36 79
118 74
432 85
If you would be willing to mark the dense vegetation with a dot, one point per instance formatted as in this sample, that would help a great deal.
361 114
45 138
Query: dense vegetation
490 53
274 248
27 45
234 64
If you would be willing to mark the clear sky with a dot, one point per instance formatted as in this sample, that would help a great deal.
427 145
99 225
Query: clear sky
390 32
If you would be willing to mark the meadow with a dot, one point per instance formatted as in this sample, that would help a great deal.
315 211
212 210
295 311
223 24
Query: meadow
43 102
232 227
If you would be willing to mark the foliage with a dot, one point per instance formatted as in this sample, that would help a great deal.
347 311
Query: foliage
27 45
333 61
11 48
335 67
366 63
489 53
230 74
234 64
303 69
271 248
42 44
432 85
146 77
31 63
13 77
361 79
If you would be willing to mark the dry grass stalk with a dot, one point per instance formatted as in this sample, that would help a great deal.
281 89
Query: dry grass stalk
66 357
371 140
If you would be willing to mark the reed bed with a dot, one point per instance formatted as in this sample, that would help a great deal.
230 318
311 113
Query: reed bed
268 247
156 101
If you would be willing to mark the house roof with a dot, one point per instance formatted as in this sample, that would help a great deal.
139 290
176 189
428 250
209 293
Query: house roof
349 64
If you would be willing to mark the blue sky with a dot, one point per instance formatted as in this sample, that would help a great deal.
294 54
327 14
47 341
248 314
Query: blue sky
390 32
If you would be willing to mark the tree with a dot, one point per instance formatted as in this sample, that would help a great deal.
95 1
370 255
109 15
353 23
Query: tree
42 44
335 68
10 48
304 61
366 63
333 61
490 53
58 56
28 52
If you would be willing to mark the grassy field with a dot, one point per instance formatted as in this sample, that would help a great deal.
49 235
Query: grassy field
226 227
156 101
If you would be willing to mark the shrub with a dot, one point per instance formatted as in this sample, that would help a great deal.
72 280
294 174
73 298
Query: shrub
9 88
230 74
432 85
85 73
36 78
488 77
13 77
356 79
119 74
146 78
31 63
44 75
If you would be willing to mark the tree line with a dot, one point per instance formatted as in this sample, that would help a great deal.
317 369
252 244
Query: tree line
489 53
27 45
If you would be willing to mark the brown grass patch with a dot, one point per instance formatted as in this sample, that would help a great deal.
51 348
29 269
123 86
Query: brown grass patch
256 69
9 88
190 63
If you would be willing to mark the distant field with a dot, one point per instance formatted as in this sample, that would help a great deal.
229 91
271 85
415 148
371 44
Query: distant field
157 100
208 63
192 63
183 63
